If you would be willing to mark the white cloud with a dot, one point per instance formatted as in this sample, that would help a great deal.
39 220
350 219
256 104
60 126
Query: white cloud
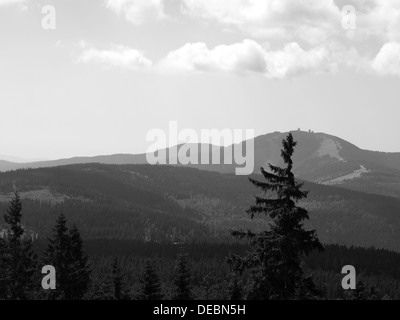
246 57
309 20
379 18
138 11
116 56
313 21
249 56
387 62
9 2
19 4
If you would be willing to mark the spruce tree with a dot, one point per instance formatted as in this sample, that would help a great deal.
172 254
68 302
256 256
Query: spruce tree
373 294
276 253
13 219
80 273
151 288
19 262
182 279
235 288
361 293
57 256
65 253
117 279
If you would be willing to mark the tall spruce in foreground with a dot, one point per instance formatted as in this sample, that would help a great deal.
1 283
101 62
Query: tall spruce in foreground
18 262
182 279
235 288
65 253
80 273
276 253
151 288
120 289
117 279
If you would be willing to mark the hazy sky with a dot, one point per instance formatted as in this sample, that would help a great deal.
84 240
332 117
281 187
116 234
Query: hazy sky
114 69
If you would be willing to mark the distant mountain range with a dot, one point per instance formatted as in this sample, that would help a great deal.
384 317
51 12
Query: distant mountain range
319 158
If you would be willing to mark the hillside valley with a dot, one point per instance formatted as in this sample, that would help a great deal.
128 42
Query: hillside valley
175 204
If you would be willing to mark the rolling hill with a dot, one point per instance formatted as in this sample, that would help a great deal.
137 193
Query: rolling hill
175 204
319 158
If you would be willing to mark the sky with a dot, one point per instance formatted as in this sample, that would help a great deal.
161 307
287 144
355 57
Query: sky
97 76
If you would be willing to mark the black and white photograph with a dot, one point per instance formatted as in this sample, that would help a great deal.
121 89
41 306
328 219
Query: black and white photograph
199 154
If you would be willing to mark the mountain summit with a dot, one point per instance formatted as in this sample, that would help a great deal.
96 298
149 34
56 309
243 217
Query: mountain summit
319 157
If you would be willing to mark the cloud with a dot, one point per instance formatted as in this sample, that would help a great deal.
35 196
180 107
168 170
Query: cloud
19 4
116 56
249 56
312 21
242 58
387 62
379 18
309 20
138 11
245 58
10 2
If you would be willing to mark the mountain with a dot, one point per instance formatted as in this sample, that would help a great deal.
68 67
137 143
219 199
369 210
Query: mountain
17 159
175 204
107 159
329 160
319 158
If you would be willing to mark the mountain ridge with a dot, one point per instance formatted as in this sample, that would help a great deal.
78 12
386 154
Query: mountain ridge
127 158
319 158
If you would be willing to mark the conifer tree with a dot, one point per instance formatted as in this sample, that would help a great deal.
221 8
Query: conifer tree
373 294
18 261
80 273
117 279
276 253
235 289
182 279
151 288
361 292
57 256
65 253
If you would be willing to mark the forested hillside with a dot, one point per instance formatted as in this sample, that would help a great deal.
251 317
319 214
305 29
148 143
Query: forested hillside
171 204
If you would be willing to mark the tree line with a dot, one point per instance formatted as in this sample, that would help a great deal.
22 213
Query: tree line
20 266
271 269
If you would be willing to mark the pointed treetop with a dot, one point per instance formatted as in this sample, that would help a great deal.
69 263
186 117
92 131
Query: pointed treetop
288 149
13 217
